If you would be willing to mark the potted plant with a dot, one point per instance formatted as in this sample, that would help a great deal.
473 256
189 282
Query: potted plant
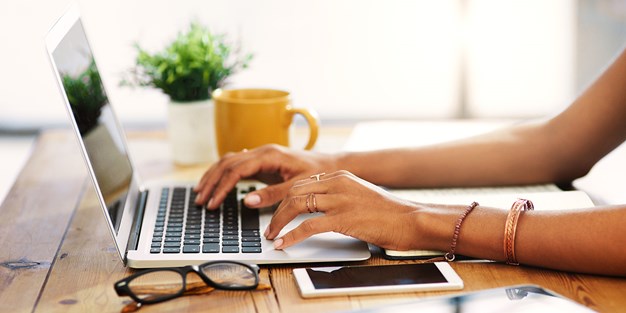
188 70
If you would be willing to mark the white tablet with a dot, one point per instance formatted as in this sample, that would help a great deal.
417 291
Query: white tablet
358 280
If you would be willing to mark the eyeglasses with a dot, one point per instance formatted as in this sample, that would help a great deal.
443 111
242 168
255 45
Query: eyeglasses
162 284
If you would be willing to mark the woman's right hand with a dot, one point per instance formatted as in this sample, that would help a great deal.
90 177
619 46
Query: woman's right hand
275 165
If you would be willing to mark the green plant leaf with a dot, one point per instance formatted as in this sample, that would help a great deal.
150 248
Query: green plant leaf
191 66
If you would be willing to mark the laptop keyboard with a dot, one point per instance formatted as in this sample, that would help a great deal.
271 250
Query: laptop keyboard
184 227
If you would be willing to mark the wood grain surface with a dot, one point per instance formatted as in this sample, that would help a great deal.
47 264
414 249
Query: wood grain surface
57 254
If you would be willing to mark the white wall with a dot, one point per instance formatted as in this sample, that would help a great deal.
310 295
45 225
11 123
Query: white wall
348 59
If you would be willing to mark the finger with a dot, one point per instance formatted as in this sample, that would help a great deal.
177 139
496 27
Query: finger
292 207
306 186
223 161
322 176
267 196
211 177
305 230
233 174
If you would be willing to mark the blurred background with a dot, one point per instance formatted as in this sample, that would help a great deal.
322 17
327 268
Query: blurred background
351 60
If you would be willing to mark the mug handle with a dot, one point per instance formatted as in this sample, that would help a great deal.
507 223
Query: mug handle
312 120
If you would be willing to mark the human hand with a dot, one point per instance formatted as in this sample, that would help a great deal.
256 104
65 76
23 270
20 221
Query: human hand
351 206
275 165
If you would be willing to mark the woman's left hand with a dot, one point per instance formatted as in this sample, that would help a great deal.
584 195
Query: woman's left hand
351 206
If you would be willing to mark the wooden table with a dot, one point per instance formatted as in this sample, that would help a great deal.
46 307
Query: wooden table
57 255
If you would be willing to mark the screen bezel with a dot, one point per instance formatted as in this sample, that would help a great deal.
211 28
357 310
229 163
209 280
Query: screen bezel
52 40
307 288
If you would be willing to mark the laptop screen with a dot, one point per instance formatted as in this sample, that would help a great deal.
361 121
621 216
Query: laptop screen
93 117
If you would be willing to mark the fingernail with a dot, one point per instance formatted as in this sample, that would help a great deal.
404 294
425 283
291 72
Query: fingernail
267 232
278 243
210 203
253 199
198 197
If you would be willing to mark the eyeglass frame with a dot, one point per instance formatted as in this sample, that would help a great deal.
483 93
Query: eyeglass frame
122 289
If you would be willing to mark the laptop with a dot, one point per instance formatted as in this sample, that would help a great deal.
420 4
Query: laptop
156 224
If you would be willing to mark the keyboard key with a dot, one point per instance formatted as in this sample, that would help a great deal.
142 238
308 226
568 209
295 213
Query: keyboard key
173 234
250 233
171 250
251 239
211 235
155 250
172 239
192 242
191 249
230 249
156 239
230 243
211 240
249 218
210 248
250 244
156 245
251 250
230 237
172 244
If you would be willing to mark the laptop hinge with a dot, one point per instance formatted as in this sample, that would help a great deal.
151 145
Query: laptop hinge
133 239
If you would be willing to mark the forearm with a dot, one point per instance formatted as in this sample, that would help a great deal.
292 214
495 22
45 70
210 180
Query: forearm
560 149
587 241
523 154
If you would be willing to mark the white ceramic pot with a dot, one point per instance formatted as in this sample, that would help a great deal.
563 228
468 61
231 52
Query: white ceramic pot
191 132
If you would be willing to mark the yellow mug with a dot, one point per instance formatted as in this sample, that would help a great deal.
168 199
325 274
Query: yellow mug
249 118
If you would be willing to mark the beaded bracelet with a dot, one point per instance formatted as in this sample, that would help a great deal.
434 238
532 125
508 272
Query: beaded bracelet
457 229
510 228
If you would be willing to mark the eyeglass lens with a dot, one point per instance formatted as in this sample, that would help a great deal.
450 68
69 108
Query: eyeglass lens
156 285
230 275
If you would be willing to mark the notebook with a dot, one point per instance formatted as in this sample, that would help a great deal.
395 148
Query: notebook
394 134
156 224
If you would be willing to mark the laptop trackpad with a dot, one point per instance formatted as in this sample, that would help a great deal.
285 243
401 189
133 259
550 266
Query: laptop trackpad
328 244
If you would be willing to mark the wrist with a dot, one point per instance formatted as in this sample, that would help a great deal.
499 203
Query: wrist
435 225
346 161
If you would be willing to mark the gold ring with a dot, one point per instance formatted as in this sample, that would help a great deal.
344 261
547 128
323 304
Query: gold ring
311 198
317 176
314 203
308 202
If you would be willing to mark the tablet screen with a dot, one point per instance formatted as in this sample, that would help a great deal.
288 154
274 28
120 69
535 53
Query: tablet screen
510 300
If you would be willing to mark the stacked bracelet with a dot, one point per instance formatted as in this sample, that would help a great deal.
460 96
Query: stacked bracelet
511 227
457 229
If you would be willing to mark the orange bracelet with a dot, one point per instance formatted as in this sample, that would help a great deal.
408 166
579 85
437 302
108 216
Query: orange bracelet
511 227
